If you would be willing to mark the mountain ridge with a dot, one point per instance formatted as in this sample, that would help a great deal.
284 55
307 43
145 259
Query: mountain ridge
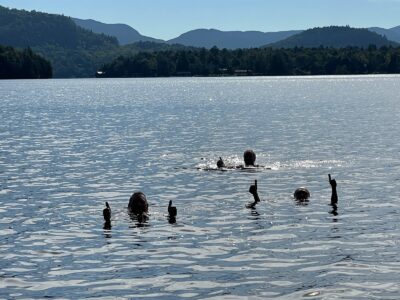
334 36
77 52
209 38
124 33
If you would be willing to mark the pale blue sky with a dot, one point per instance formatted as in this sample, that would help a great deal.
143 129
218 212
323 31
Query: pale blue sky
167 19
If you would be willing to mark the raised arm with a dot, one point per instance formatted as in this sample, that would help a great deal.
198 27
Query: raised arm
253 191
334 197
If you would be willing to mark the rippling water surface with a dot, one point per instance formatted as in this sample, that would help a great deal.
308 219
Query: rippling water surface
67 146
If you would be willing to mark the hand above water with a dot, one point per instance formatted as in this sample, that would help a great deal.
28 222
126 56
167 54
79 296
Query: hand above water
332 182
253 191
253 188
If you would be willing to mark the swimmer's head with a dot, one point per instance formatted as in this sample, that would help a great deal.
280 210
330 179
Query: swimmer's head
249 157
301 194
138 203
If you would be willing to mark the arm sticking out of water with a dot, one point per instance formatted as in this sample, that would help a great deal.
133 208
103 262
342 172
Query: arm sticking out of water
334 197
253 191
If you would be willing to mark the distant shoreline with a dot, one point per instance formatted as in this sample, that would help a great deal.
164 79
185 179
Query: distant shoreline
205 77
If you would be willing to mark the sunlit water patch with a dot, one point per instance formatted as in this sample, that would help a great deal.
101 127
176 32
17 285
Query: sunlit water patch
67 146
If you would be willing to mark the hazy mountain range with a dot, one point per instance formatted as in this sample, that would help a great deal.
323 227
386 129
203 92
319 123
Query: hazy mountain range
208 38
125 34
79 50
334 37
212 37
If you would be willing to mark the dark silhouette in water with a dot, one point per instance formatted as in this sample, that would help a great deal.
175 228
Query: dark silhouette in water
253 191
138 207
249 158
138 204
220 163
107 225
301 194
107 216
107 212
172 212
334 196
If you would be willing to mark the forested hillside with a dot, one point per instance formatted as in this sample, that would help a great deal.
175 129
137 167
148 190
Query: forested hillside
334 36
16 64
72 50
76 52
261 61
124 33
209 38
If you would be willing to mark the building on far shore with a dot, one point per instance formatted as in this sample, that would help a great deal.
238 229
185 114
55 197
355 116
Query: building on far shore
243 72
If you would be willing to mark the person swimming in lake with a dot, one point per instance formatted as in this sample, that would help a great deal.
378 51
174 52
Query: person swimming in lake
301 194
172 212
249 158
138 206
107 216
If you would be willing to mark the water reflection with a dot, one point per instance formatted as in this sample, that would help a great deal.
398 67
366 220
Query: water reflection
139 220
107 232
254 213
302 202
334 211
70 143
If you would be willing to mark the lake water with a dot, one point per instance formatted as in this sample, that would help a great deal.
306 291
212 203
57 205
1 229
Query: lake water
67 146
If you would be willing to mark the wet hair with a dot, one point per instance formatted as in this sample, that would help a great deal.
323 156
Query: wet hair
138 203
249 157
301 194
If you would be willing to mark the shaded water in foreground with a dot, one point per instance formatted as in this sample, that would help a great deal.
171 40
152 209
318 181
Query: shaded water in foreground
67 146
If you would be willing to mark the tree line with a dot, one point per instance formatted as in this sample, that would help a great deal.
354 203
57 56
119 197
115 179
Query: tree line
72 50
15 64
335 37
257 61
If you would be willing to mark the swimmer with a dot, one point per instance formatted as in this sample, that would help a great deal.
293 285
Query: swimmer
107 213
249 158
220 163
172 212
138 204
301 194
107 217
253 191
